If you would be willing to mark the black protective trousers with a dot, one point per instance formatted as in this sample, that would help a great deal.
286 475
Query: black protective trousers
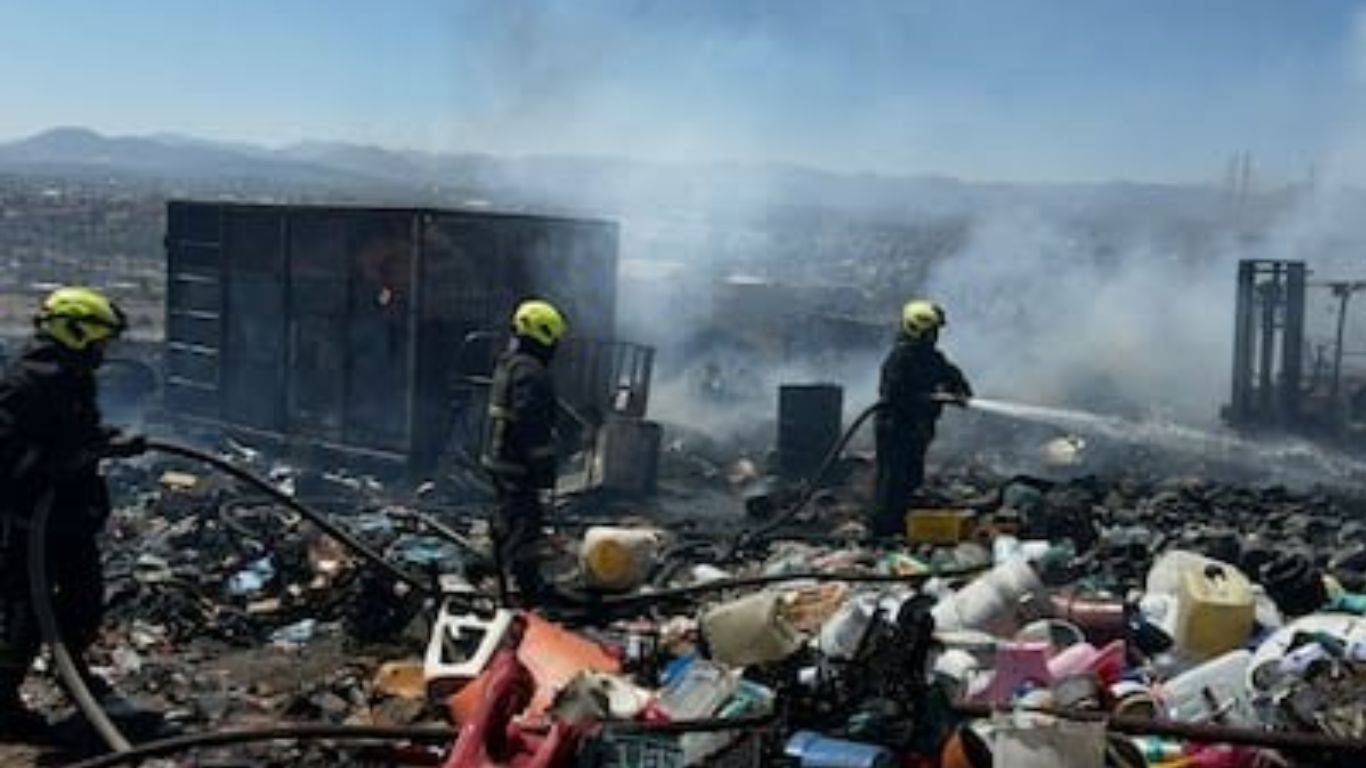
517 533
901 447
77 582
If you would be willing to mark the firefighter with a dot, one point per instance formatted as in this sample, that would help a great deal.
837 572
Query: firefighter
519 451
916 380
51 441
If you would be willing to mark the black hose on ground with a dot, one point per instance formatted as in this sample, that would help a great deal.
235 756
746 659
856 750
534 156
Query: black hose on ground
68 668
444 532
414 733
327 526
40 587
812 485
1199 733
306 731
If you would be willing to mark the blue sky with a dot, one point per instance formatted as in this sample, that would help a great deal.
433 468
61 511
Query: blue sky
984 89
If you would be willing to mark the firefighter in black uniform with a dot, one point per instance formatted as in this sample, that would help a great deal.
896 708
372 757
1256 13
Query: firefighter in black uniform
916 380
51 441
519 451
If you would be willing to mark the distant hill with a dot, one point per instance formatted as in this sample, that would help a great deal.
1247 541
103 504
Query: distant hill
82 152
604 185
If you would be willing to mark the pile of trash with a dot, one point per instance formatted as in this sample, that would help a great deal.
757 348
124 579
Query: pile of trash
1019 622
1024 655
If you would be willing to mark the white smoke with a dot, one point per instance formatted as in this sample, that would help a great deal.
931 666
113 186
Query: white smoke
1036 314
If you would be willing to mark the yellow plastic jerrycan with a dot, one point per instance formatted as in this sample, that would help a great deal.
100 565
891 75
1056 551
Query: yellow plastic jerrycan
1215 609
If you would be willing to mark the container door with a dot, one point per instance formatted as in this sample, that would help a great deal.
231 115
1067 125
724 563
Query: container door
318 305
253 372
379 338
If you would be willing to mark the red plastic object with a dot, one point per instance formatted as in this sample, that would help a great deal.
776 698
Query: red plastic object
489 738
1221 756
552 654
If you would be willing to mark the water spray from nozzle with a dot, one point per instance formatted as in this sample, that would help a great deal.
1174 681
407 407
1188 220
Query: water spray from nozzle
1280 453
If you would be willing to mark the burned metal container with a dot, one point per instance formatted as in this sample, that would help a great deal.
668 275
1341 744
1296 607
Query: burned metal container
365 331
809 418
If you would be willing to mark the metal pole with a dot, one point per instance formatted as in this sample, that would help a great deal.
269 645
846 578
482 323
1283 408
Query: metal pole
1270 294
1344 294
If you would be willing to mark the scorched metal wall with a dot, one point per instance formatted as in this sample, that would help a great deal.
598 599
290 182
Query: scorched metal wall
342 326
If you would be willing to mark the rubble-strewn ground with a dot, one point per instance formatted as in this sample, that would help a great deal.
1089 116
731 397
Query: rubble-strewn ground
225 610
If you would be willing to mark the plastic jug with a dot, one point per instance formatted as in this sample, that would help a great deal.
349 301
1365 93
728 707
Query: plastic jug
1215 610
1215 690
618 558
990 602
750 630
1164 577
841 635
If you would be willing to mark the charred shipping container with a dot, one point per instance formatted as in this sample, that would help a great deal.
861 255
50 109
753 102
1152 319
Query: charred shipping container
364 331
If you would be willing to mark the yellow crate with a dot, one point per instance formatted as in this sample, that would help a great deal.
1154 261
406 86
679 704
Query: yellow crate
939 526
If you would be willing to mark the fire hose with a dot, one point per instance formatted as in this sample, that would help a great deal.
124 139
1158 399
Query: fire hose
69 669
313 516
1202 733
414 733
813 483
809 489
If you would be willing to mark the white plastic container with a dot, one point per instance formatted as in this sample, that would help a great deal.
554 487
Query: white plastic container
841 635
617 558
1215 690
1005 548
750 630
989 603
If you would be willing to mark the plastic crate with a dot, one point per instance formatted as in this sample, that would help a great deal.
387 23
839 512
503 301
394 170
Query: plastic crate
631 751
661 751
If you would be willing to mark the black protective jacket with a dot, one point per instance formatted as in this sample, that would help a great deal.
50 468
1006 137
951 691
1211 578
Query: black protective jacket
50 434
911 373
520 447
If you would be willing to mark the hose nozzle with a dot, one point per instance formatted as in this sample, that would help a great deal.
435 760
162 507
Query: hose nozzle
949 398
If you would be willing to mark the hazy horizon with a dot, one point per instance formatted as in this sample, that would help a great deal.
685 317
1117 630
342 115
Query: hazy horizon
1017 91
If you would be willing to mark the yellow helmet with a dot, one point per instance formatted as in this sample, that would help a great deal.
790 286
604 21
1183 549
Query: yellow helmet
920 317
79 317
539 321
